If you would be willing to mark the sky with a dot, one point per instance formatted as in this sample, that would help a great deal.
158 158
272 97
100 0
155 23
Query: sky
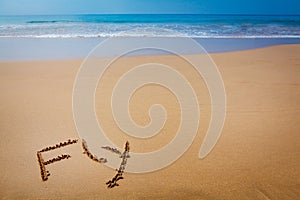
37 7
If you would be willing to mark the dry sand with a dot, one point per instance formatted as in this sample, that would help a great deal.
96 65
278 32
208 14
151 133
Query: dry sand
257 156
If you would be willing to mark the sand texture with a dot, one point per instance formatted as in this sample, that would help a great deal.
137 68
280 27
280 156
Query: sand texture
257 156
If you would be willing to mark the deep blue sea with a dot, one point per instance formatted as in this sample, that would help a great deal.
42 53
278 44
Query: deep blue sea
196 26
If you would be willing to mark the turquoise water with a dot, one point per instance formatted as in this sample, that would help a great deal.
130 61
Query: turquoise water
73 36
196 26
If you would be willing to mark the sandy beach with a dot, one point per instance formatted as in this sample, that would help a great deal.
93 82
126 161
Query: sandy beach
257 156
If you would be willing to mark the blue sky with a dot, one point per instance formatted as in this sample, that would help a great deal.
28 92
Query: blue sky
26 7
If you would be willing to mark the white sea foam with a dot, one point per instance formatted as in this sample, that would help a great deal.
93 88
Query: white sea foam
195 26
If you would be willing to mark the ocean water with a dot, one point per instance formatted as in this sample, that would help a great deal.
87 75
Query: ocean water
195 26
74 36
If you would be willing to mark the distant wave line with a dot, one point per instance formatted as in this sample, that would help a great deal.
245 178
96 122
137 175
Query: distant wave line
143 35
49 21
174 21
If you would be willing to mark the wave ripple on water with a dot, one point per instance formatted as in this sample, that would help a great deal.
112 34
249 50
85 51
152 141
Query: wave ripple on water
196 26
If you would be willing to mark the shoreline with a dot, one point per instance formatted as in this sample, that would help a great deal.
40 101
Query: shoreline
30 49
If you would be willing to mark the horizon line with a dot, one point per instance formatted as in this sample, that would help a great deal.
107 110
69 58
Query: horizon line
215 14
